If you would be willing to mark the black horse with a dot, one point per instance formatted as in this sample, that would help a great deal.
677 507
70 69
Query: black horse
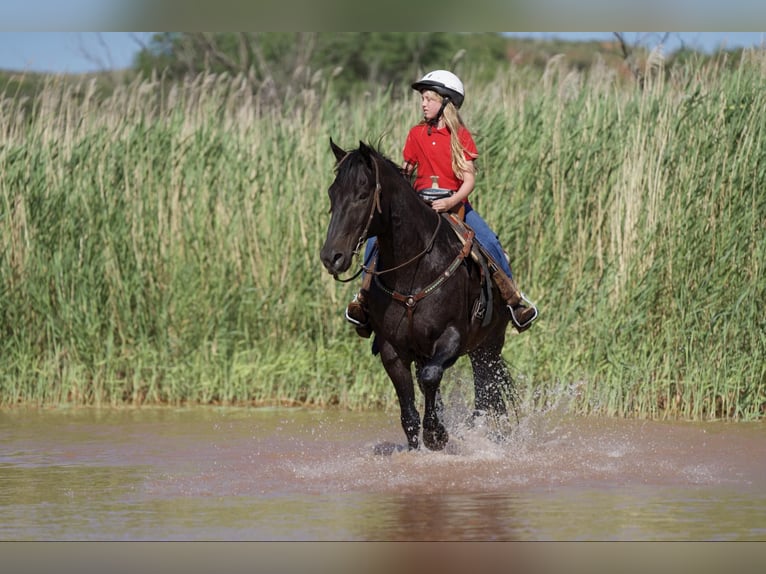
423 299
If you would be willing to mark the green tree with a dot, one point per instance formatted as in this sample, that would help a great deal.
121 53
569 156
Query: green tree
278 62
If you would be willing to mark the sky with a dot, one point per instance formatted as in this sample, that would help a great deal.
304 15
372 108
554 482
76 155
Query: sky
69 52
79 52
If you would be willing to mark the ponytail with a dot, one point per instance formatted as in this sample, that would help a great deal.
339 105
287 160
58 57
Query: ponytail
454 122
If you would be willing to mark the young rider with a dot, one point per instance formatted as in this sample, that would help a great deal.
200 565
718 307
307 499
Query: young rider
441 151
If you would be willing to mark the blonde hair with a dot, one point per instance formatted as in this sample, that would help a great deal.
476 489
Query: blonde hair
453 121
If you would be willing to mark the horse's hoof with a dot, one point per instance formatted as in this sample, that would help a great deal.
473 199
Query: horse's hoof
388 448
472 419
436 439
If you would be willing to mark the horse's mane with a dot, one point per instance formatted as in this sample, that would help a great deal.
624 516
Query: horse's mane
396 167
354 159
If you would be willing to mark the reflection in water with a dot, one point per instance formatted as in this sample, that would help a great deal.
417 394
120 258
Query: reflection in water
293 474
440 517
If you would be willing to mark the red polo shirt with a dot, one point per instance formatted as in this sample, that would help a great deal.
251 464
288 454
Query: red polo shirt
433 156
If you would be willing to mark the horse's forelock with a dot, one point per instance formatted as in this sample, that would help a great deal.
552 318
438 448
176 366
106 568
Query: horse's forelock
347 169
358 163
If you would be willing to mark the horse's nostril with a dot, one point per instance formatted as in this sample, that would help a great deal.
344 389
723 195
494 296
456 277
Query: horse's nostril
337 261
333 262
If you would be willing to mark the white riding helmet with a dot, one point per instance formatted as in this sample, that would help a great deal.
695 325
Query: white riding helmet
444 83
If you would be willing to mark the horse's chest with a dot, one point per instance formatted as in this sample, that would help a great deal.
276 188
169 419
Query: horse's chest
416 325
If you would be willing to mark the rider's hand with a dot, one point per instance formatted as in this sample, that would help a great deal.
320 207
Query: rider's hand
442 205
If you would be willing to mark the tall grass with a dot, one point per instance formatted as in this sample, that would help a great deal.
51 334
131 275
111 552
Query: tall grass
162 246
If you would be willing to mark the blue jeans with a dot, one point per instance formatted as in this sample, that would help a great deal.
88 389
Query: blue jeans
484 235
487 238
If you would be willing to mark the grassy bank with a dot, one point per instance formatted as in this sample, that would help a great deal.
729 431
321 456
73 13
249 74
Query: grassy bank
161 246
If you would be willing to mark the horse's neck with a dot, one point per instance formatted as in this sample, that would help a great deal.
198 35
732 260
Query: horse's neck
409 227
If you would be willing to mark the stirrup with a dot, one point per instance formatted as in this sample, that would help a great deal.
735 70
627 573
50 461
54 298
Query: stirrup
362 329
525 325
519 325
354 322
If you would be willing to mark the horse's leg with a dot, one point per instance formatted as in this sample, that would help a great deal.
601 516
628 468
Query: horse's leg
492 380
487 368
401 376
492 384
429 374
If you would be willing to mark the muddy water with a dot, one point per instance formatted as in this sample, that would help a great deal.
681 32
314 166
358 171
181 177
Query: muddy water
294 474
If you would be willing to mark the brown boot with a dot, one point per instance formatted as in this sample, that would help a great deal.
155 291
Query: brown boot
522 315
356 314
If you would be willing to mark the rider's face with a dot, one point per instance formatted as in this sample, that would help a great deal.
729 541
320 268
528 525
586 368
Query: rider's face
431 102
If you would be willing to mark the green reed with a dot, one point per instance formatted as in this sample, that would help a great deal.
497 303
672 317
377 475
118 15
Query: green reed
161 246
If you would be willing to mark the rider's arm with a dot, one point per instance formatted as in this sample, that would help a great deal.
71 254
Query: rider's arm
469 179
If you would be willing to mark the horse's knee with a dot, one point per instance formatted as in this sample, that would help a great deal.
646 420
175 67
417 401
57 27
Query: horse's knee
430 375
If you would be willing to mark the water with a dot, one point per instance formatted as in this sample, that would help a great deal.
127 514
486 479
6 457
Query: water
295 474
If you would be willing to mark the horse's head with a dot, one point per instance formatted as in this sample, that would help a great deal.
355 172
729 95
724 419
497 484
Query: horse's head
354 199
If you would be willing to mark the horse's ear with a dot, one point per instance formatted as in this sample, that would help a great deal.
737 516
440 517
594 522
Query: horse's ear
367 152
339 152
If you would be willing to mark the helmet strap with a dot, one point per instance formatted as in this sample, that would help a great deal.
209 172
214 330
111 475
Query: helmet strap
435 120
